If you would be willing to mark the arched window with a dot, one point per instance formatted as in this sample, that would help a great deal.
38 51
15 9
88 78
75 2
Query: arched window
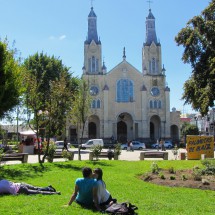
98 104
93 64
125 91
151 104
93 104
156 104
159 104
153 66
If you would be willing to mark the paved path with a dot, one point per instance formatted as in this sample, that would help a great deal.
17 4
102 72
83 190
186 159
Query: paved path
125 155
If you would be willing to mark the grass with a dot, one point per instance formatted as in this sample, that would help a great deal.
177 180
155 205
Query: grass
122 180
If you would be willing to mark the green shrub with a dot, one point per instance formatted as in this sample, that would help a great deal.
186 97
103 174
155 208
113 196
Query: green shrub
172 177
51 151
154 168
96 151
162 175
147 177
15 143
67 155
197 174
171 170
209 167
183 177
117 149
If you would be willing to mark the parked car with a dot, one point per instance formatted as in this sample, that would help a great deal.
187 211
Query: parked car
167 144
135 145
59 144
93 142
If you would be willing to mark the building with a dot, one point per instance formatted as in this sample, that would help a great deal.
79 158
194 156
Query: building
127 104
205 123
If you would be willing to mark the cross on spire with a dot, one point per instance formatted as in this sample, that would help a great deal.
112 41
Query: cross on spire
92 2
149 1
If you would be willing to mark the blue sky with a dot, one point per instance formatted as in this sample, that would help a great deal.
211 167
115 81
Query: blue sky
59 28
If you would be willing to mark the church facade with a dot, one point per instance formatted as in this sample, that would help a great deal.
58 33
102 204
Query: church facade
127 104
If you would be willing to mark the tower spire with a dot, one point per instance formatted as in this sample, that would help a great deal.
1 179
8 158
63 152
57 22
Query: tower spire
92 27
150 29
124 56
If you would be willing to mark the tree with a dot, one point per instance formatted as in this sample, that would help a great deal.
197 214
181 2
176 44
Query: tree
10 79
48 95
188 129
45 71
198 39
81 109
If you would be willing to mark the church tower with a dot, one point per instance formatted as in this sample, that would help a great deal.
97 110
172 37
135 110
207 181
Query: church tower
92 48
151 49
155 81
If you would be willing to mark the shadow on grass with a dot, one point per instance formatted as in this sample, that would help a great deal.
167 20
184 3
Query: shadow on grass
98 162
79 168
21 172
67 166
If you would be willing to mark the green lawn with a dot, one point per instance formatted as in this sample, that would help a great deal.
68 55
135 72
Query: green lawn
121 178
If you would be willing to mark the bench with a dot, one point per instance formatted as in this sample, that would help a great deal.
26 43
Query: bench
153 154
102 155
58 154
23 157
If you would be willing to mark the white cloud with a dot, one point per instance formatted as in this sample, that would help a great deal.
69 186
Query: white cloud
51 37
62 37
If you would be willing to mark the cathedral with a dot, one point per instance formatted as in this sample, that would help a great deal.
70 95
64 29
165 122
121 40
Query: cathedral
127 104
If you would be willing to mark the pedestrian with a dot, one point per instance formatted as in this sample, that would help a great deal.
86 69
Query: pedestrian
162 145
65 144
9 187
129 146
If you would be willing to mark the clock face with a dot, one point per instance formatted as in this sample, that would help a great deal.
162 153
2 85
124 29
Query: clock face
94 90
155 91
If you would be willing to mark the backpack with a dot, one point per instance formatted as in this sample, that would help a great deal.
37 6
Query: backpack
124 208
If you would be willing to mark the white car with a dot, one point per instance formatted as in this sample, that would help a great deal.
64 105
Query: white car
93 142
59 144
167 144
135 145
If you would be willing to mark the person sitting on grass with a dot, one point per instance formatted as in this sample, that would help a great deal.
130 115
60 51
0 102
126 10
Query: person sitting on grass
9 187
85 192
104 197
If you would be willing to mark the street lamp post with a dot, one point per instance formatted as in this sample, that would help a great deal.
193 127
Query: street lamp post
196 119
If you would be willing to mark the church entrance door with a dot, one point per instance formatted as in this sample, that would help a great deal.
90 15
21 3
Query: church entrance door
121 132
125 130
155 128
92 130
93 127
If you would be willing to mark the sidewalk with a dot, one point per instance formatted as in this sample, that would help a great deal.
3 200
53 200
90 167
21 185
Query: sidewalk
125 155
